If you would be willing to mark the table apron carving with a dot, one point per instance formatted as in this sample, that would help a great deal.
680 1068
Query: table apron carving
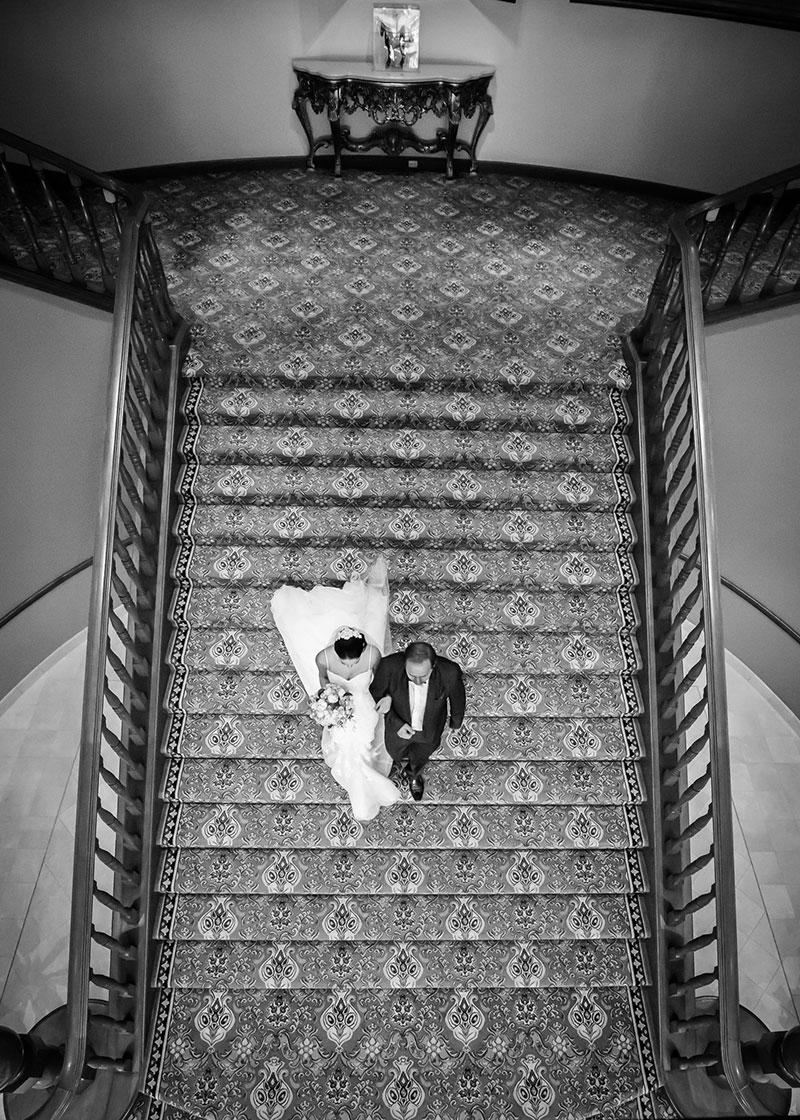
395 106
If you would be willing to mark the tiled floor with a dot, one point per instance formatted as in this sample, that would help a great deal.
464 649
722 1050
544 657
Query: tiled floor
39 729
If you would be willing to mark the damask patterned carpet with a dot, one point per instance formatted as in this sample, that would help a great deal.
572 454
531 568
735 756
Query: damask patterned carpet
394 364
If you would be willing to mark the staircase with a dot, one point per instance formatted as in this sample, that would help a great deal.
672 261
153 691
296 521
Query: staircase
385 365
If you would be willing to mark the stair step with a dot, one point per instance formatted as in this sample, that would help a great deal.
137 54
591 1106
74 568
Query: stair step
390 487
421 826
467 782
536 610
399 871
493 406
543 654
361 526
430 568
576 696
450 1048
296 736
323 966
444 449
408 918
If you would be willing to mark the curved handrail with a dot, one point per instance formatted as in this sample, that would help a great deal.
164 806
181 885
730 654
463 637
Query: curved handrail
724 256
46 155
722 823
768 613
45 589
121 718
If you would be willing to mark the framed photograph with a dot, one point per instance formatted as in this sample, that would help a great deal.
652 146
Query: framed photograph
395 36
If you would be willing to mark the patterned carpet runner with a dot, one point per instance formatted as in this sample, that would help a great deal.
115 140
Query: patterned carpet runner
391 364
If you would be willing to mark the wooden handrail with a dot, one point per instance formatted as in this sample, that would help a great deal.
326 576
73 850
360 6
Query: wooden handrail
768 613
707 273
45 589
61 163
123 682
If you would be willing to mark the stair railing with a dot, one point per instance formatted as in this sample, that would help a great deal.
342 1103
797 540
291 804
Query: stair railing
726 255
122 724
60 223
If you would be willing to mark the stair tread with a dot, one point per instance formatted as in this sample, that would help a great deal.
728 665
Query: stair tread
408 964
360 526
390 919
472 782
292 735
399 871
571 650
422 826
514 608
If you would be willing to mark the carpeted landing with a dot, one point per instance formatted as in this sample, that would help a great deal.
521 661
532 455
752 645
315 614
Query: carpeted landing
391 364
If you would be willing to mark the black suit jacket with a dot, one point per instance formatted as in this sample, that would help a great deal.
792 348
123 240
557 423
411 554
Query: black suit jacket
446 685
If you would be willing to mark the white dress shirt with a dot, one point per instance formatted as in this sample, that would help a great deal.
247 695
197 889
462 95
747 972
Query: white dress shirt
417 699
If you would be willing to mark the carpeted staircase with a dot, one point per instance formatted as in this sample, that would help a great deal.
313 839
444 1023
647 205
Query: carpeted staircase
389 364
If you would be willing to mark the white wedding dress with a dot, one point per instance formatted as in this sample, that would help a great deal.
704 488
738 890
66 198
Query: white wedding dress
307 621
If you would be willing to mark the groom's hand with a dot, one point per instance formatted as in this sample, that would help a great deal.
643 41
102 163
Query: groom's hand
406 731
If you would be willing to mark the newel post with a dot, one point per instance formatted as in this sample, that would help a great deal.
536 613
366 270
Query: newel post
777 1054
24 1058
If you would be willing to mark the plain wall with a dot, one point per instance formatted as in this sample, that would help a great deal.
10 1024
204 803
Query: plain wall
54 364
698 103
754 385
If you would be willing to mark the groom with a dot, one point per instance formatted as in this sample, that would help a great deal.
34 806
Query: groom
419 685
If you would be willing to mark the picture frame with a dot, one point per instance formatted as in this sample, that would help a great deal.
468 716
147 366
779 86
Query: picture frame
395 36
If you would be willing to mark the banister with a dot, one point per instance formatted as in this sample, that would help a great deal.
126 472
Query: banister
122 719
46 155
701 1036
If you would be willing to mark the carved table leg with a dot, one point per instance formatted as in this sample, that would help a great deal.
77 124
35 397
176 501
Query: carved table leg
484 112
300 106
334 118
453 121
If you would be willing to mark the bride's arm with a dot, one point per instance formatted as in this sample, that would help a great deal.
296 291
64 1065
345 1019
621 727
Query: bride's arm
322 666
384 704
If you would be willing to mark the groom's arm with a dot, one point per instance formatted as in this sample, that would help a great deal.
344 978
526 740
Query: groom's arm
379 686
458 698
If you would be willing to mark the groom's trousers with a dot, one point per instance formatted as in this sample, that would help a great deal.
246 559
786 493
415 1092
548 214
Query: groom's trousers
415 752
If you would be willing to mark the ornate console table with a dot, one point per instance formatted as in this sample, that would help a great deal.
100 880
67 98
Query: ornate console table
395 100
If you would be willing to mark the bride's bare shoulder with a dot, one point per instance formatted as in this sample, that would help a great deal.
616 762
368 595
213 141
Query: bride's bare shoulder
321 658
374 656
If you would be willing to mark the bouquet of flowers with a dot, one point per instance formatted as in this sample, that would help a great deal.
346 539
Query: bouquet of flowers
331 706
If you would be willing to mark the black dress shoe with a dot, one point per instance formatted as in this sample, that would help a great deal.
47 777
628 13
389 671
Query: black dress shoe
417 786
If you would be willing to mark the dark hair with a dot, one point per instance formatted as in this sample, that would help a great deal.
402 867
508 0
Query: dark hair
350 648
420 651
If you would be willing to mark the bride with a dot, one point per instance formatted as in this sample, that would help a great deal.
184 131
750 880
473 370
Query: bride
336 635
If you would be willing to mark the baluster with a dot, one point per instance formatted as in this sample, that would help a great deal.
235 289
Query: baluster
675 880
680 1026
131 842
129 566
109 984
97 245
124 716
140 661
27 220
758 241
148 502
133 804
134 768
137 697
113 864
736 221
688 756
144 540
128 604
677 660
665 613
671 705
129 914
701 980
688 721
775 275
679 952
58 222
675 917
125 952
149 470
688 794
674 846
